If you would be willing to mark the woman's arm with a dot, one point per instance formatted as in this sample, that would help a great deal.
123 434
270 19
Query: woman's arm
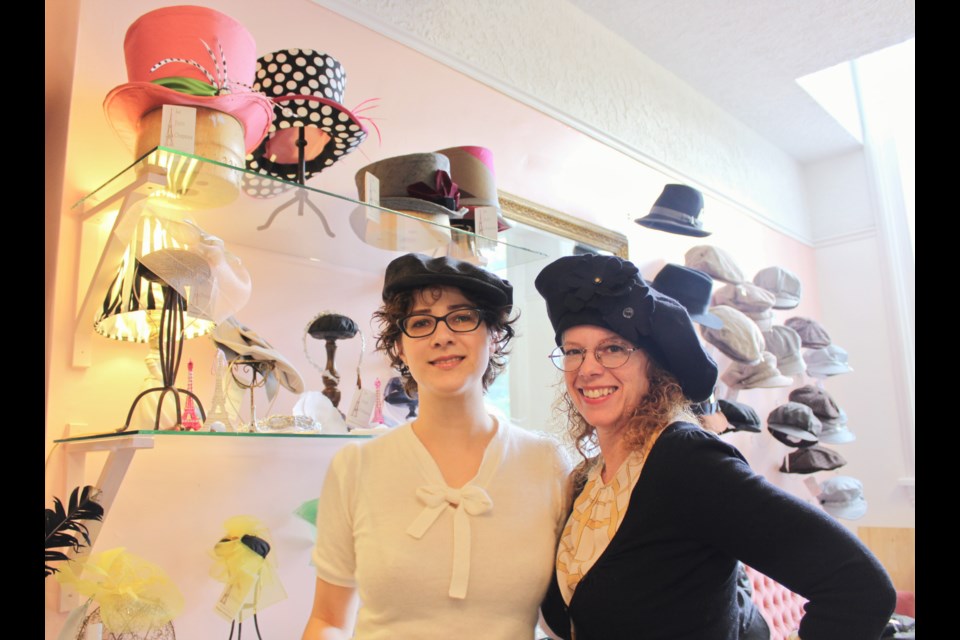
333 612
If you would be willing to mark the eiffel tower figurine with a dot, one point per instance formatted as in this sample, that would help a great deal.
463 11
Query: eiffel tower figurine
378 408
218 414
189 419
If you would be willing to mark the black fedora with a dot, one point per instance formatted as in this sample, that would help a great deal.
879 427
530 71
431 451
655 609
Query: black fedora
677 210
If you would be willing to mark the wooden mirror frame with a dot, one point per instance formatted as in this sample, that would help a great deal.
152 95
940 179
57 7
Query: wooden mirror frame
562 224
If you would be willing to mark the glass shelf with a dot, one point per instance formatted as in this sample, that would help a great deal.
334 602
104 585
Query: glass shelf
285 217
92 437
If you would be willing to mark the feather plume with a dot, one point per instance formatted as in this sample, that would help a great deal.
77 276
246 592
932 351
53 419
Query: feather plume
65 527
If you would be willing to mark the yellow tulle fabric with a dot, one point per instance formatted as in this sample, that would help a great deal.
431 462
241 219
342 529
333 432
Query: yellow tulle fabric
252 582
134 595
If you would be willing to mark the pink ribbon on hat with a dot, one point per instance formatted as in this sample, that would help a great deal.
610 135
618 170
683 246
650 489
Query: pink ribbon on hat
445 191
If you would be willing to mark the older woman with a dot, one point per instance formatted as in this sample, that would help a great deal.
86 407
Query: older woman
665 510
446 526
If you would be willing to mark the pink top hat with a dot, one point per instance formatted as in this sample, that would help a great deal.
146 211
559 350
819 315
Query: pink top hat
189 56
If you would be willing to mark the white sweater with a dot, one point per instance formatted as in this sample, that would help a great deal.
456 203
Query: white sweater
386 524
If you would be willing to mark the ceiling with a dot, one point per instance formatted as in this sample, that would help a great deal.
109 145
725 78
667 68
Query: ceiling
745 55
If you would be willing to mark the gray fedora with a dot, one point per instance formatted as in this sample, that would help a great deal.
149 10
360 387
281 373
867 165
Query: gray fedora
677 210
418 182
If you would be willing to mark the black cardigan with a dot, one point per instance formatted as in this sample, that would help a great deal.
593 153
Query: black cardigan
670 570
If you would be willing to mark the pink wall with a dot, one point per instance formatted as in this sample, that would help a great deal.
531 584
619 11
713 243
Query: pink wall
176 497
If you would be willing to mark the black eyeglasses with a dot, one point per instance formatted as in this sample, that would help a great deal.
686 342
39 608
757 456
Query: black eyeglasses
421 325
610 356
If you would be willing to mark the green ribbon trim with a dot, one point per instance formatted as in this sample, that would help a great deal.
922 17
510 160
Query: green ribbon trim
190 86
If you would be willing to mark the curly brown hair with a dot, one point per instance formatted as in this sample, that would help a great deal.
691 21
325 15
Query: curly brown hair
663 403
498 321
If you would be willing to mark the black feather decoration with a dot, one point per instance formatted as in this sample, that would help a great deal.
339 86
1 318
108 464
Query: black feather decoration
64 527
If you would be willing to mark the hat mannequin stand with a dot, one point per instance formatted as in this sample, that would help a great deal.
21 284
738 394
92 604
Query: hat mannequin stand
301 197
331 327
257 370
170 344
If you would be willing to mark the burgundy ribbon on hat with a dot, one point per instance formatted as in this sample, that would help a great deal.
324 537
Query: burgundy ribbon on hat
445 191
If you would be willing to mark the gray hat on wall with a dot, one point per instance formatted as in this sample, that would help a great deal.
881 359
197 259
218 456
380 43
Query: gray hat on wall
691 288
828 361
742 417
677 210
836 431
811 460
812 334
783 284
747 297
762 375
818 400
784 343
715 262
415 182
763 319
795 420
739 339
842 497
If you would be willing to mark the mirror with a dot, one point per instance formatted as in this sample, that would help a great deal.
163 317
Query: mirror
527 389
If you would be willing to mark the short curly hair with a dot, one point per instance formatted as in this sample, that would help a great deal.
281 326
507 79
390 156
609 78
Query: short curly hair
498 320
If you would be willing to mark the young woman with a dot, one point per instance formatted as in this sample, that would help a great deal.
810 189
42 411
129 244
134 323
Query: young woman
664 513
446 526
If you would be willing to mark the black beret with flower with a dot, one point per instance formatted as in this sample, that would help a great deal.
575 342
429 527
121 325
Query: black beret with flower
609 292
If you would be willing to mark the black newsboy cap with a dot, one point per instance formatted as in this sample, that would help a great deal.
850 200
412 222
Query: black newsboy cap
607 291
415 271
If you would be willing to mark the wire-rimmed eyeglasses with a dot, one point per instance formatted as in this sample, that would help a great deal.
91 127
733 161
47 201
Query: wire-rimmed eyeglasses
421 325
610 356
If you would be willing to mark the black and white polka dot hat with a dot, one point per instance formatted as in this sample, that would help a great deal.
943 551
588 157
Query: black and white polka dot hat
306 88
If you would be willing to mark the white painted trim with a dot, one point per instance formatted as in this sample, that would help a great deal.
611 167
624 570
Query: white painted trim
897 278
371 21
845 238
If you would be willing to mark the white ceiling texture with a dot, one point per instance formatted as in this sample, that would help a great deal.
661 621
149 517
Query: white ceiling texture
745 55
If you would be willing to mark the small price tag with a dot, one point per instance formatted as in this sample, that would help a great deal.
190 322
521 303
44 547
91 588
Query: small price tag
371 195
361 408
485 219
178 128
812 485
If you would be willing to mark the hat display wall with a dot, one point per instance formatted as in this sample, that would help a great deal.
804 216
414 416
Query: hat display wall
607 291
796 421
783 284
762 375
831 360
715 262
746 297
306 88
676 210
189 56
811 460
691 288
784 343
812 334
842 497
742 417
739 338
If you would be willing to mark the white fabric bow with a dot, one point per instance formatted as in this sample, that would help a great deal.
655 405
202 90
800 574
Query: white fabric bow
468 501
